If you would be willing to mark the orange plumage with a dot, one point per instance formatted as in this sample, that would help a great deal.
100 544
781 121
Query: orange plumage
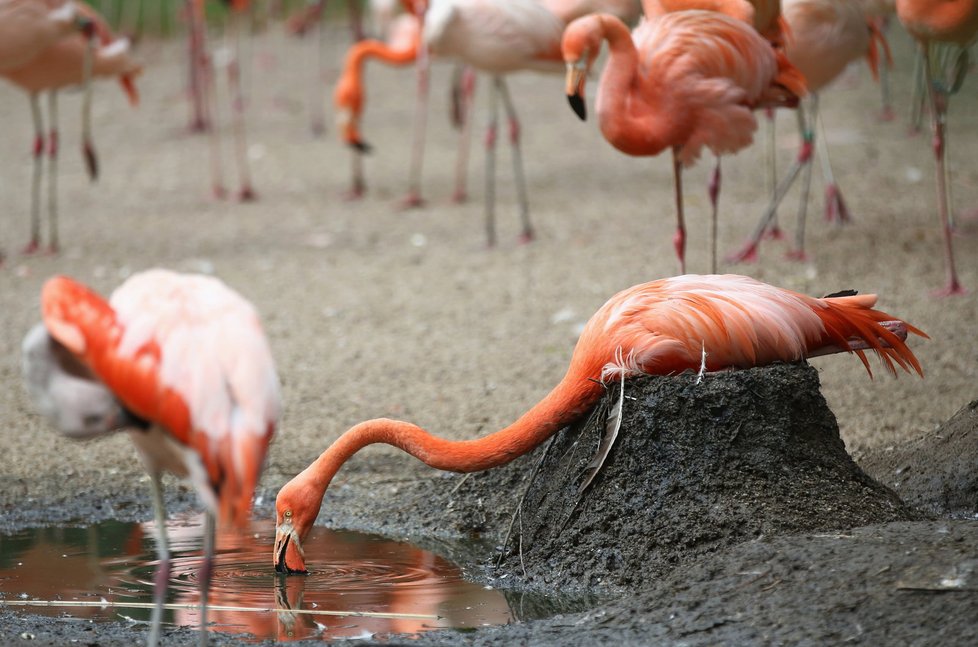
662 327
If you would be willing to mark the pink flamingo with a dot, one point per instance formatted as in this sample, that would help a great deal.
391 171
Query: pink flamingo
944 30
67 61
705 323
181 362
826 35
680 81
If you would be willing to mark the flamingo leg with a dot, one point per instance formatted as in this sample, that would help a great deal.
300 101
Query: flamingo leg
413 198
938 112
358 184
514 141
163 554
835 206
317 103
714 191
206 571
490 197
356 20
918 97
771 157
679 240
199 120
53 151
38 154
214 138
88 147
465 86
748 253
247 193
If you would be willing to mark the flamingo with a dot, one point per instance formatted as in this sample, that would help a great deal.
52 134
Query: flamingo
31 26
497 37
65 62
826 35
944 30
402 47
667 326
180 361
680 81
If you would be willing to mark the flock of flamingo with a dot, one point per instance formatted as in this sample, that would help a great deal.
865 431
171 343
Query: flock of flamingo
181 361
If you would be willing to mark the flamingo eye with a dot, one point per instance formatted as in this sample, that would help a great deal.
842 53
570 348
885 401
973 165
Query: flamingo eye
288 514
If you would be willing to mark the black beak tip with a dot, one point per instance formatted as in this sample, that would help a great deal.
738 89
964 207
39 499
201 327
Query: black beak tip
577 104
361 146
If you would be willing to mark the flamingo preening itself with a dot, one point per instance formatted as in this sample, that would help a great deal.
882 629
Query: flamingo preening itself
181 362
709 323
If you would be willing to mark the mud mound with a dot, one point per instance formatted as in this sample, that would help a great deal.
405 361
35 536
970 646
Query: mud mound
696 468
936 471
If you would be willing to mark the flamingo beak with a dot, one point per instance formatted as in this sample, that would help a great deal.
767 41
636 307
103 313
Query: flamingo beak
348 123
575 88
288 555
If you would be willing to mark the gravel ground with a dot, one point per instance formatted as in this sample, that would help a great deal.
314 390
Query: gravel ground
372 311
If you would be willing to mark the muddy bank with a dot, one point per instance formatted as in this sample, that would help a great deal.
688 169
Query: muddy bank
727 512
935 471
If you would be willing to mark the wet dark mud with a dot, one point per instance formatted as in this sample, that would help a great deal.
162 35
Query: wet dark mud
936 471
727 512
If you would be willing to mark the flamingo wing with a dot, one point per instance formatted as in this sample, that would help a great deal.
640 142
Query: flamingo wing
186 353
665 326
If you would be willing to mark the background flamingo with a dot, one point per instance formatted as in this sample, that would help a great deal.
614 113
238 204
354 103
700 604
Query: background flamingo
944 31
826 35
680 81
68 61
181 361
662 327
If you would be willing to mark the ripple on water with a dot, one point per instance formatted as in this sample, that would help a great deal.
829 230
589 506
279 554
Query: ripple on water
401 588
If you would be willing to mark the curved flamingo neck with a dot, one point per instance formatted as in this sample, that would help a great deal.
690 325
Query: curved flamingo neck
566 403
626 121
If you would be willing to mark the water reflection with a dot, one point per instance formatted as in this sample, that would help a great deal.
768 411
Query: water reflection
404 588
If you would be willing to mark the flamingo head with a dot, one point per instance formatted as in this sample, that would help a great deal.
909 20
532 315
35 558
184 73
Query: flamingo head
580 45
348 99
296 509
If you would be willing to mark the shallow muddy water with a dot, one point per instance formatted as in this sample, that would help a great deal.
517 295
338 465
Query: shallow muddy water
359 585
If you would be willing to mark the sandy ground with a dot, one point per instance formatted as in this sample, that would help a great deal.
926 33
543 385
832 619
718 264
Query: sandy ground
373 311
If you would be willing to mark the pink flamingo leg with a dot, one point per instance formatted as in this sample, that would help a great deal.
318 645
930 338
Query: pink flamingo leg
413 198
490 197
247 193
199 117
527 234
162 578
748 253
938 111
465 91
53 146
774 231
679 240
714 191
205 573
38 155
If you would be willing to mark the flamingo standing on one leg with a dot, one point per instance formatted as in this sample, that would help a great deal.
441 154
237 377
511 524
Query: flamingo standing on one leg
67 62
657 328
182 362
826 35
680 81
945 30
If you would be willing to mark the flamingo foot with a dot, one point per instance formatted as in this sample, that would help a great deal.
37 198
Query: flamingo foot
412 200
887 114
247 194
835 206
220 193
952 289
197 126
527 236
774 233
459 196
746 254
31 248
798 255
354 193
52 250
